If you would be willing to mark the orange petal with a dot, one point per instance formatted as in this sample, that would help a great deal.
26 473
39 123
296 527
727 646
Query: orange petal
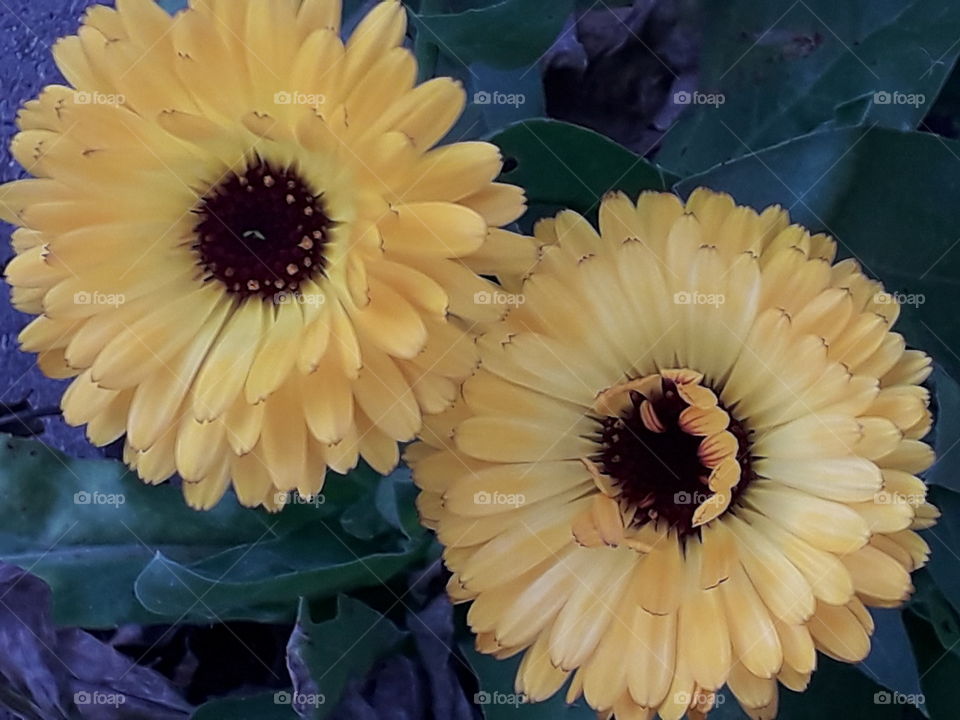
725 476
697 395
649 417
704 421
716 448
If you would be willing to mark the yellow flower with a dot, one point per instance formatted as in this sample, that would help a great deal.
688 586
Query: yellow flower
241 240
687 459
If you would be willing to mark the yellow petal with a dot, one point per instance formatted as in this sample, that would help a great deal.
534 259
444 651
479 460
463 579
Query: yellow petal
144 345
839 634
327 400
284 439
501 439
650 663
385 397
435 228
823 523
276 355
390 323
665 563
752 633
779 583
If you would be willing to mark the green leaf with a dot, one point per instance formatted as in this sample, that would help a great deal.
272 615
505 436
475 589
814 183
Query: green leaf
890 662
384 506
115 550
784 67
560 164
262 580
507 34
946 431
939 668
944 541
88 527
851 112
499 700
930 603
504 97
839 690
890 200
264 706
324 656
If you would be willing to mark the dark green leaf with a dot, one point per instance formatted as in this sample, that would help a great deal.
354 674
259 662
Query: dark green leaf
890 662
838 690
939 668
890 199
930 603
946 432
262 580
504 97
851 112
944 541
363 520
264 706
570 166
88 527
783 68
94 532
507 34
324 656
944 116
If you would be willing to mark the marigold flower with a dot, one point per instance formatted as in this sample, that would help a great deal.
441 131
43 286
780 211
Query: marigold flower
688 459
242 242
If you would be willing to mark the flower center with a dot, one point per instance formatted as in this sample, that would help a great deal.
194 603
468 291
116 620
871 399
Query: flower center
671 451
262 231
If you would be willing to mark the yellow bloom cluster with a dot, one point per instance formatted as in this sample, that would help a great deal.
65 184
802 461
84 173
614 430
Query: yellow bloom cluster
682 455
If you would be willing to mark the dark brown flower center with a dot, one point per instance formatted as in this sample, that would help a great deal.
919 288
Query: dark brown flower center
660 473
262 231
